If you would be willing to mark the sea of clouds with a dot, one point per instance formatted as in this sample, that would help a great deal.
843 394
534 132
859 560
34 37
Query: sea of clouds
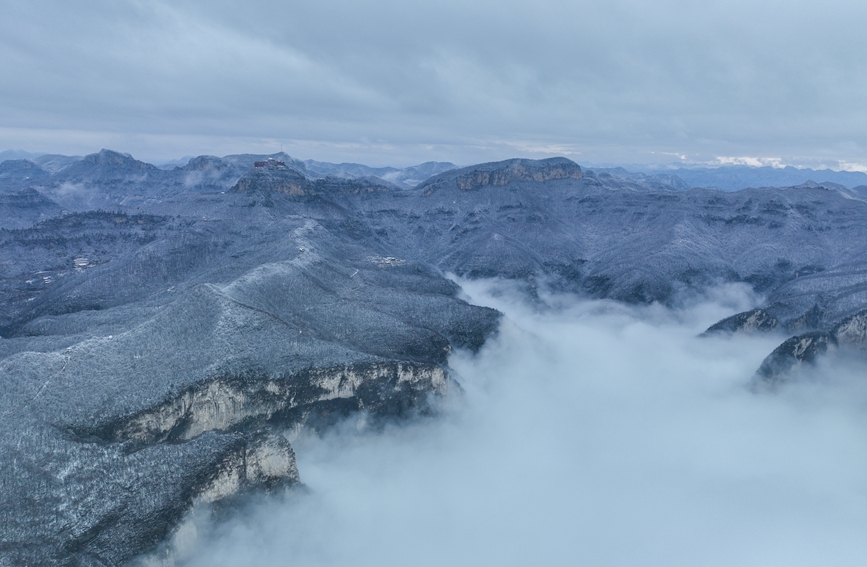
587 433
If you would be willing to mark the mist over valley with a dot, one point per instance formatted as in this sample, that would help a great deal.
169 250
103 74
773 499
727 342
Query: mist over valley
585 431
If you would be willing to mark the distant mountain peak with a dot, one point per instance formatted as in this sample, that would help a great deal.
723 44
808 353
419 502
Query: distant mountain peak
248 160
111 157
504 172
206 163
273 176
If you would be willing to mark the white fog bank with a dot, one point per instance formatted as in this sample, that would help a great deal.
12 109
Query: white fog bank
589 434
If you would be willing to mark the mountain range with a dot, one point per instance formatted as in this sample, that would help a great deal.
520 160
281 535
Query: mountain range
162 328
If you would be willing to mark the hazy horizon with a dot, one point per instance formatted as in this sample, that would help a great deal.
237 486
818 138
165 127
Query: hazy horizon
751 163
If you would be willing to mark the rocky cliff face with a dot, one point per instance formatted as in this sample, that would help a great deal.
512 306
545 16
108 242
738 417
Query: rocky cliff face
276 177
802 349
266 462
852 331
850 334
753 321
504 172
290 401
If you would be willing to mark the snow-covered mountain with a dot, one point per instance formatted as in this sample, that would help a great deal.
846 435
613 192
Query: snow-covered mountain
160 326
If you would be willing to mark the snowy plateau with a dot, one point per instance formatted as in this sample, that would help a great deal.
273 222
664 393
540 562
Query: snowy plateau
163 329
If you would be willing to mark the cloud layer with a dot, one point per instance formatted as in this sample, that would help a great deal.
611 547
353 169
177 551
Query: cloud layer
397 82
589 434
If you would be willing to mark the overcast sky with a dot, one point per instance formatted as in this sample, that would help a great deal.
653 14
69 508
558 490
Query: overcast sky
396 82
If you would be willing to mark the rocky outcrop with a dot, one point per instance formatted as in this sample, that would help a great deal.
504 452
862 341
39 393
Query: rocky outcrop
225 403
773 318
850 334
802 349
752 321
852 331
272 176
502 173
263 463
206 163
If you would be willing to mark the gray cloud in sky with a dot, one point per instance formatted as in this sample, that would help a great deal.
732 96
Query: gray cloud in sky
398 82
591 434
